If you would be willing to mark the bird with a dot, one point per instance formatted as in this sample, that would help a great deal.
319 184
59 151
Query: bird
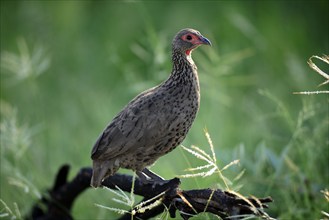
154 122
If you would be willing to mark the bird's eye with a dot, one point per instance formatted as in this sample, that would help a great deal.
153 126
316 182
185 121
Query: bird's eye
188 37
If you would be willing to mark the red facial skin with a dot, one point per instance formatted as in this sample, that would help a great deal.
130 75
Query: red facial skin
194 39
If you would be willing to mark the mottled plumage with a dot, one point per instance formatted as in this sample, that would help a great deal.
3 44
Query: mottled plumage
155 121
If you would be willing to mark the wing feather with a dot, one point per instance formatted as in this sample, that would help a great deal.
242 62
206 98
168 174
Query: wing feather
139 124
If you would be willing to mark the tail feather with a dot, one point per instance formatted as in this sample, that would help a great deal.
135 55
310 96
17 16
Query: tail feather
100 170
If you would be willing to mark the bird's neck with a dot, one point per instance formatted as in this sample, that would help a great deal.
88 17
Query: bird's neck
184 68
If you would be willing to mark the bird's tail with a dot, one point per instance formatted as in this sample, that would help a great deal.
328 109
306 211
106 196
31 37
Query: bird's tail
100 169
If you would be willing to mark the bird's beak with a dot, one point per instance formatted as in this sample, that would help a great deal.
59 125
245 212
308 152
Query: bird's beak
204 40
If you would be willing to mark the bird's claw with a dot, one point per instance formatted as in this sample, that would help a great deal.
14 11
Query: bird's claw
147 177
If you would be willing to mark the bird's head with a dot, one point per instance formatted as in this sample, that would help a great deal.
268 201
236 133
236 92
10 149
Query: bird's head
188 39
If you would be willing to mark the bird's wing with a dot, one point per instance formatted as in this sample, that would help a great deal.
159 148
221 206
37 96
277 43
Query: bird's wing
139 122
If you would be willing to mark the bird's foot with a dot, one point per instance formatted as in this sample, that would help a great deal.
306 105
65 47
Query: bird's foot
148 177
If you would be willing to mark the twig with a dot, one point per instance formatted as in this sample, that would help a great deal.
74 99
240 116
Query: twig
168 196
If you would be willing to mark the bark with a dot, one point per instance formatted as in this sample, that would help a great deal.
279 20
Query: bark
188 203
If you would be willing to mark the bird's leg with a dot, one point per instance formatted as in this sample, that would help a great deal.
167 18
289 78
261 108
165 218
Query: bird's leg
148 177
152 175
143 177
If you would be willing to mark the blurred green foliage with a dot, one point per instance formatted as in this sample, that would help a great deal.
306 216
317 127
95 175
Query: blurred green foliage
67 67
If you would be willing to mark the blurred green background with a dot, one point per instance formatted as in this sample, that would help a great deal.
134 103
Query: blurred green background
67 67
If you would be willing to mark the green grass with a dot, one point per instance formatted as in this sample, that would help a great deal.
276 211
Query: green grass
68 67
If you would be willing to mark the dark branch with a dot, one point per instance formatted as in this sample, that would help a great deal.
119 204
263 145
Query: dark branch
188 202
